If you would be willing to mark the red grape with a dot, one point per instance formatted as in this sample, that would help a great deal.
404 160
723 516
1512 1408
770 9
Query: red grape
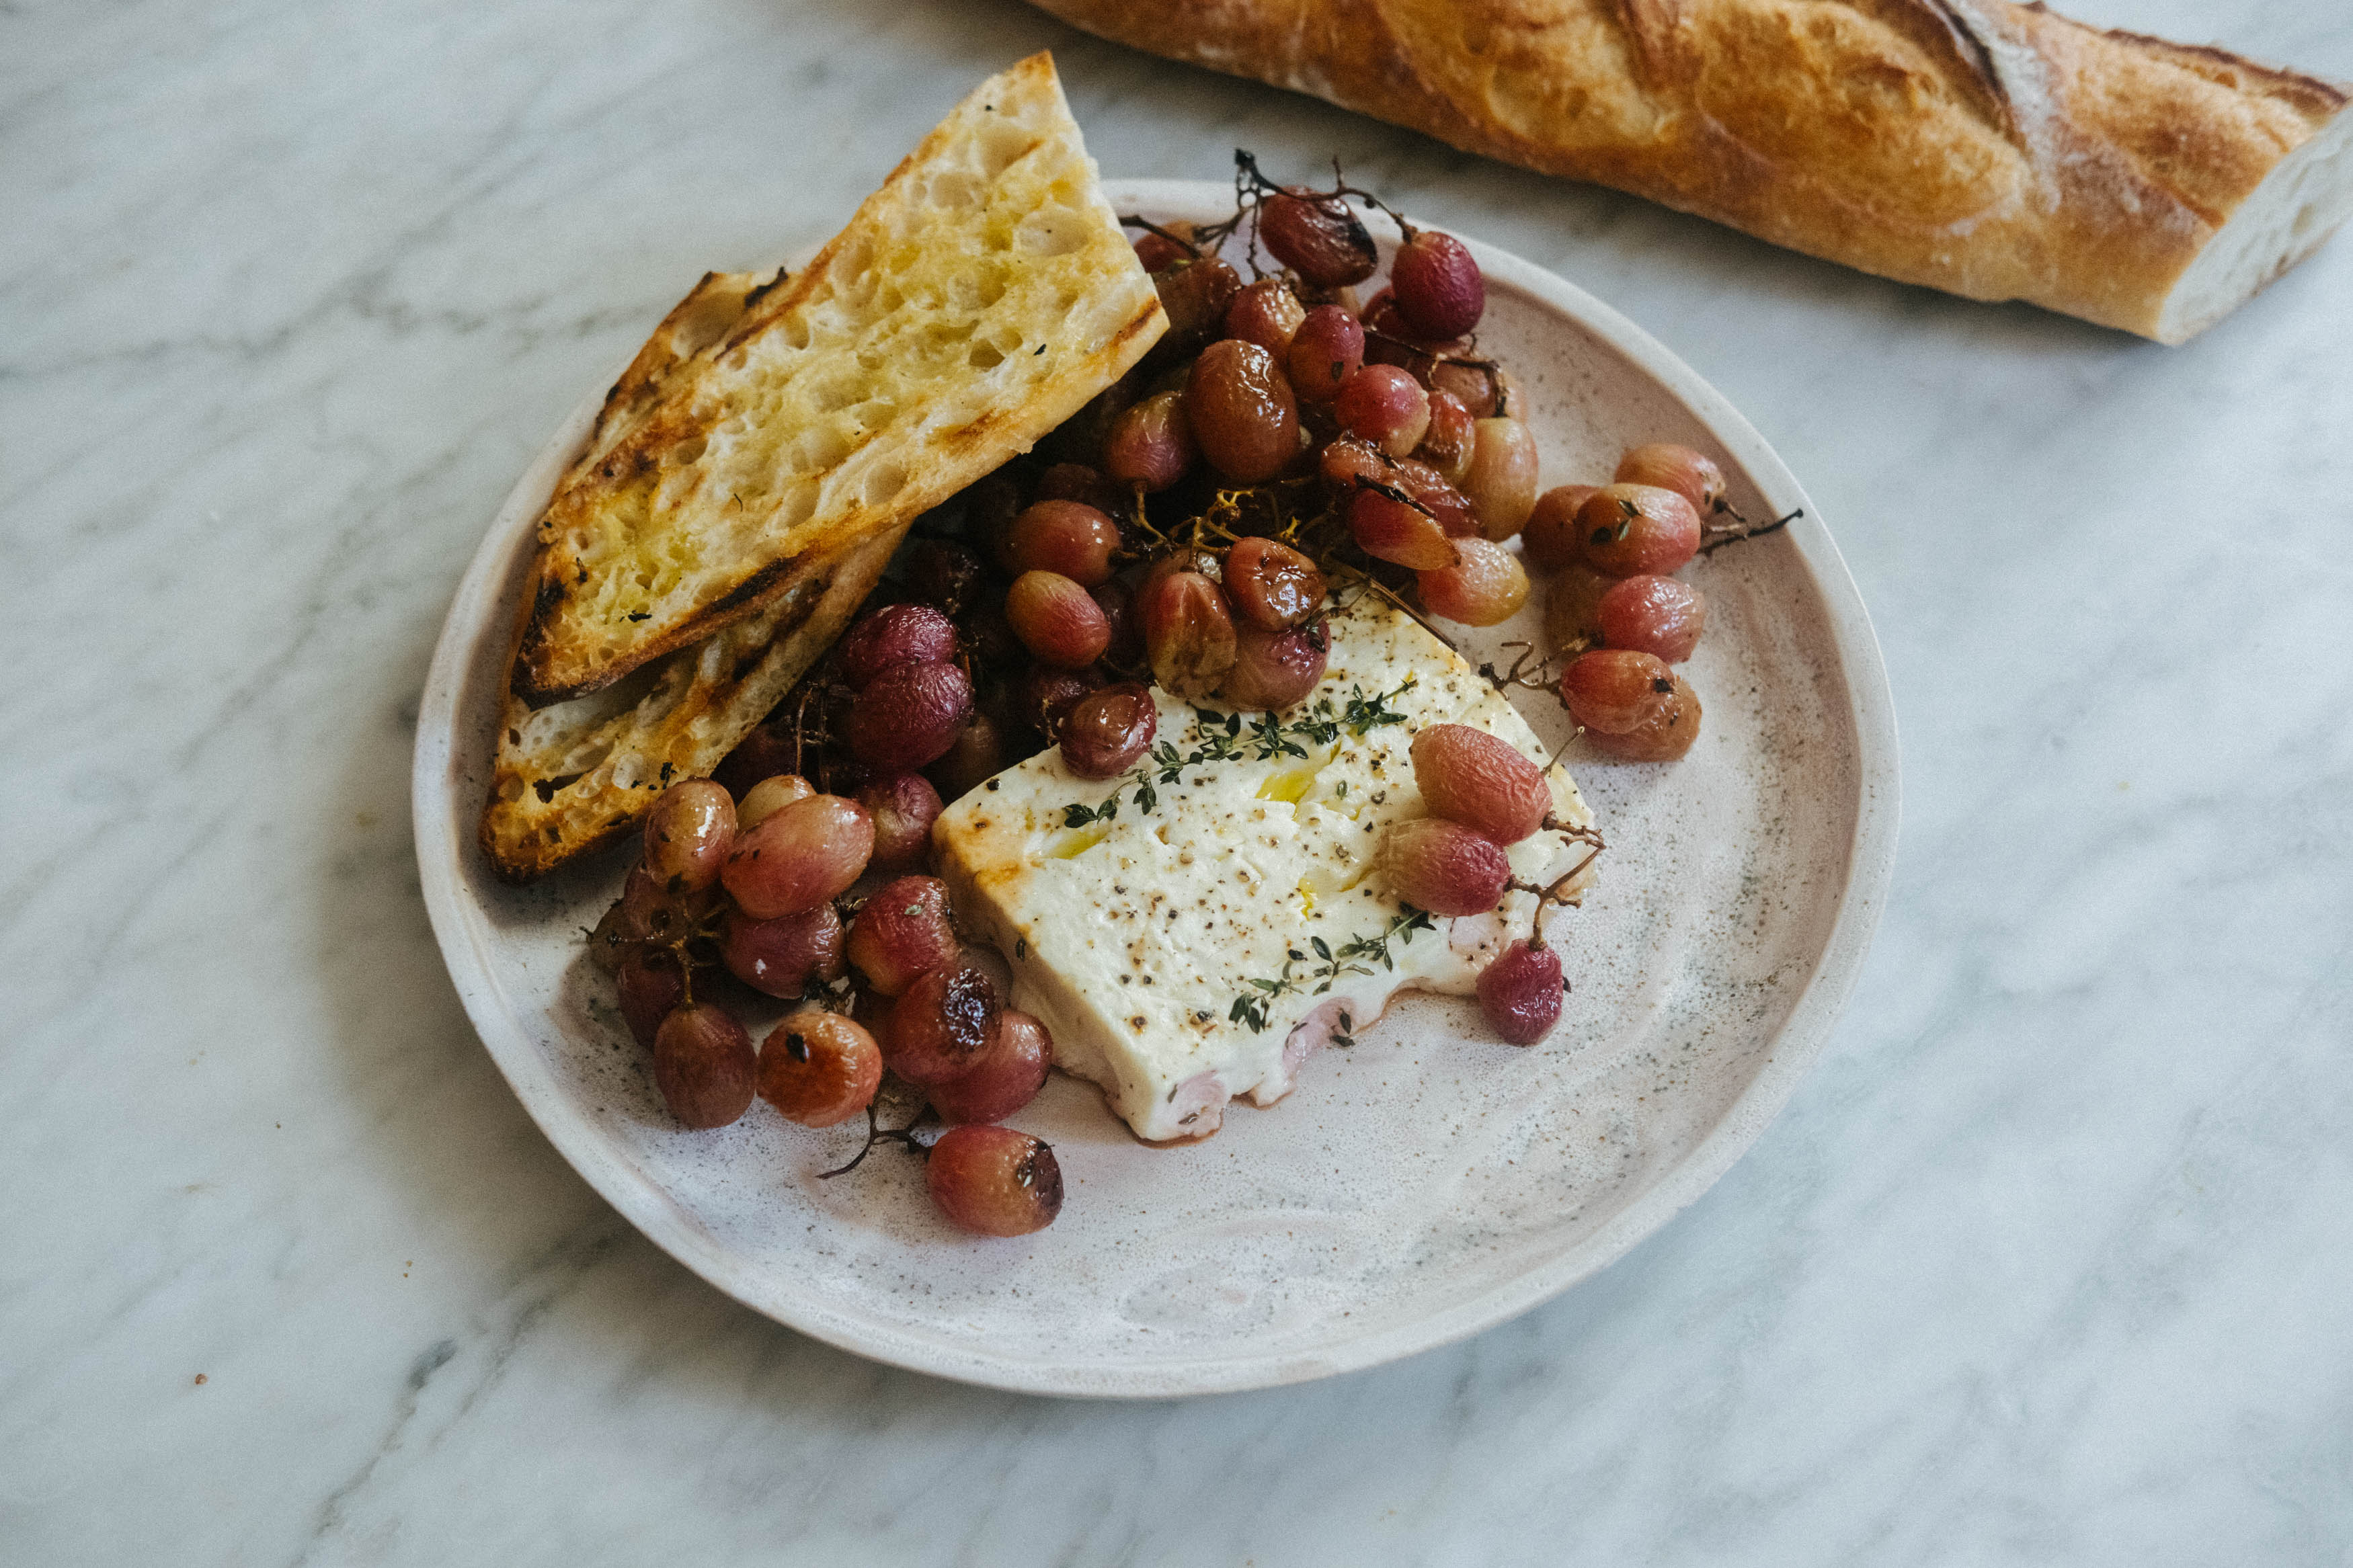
1484 588
1394 529
1195 295
804 856
688 834
704 1065
650 909
908 715
1106 732
1438 286
1004 1080
1501 484
1324 352
894 635
1157 251
1658 615
1188 632
904 806
1044 696
1453 436
820 1068
1078 482
1151 445
1273 671
1691 475
1551 538
943 574
988 634
1386 406
1057 620
1317 237
1444 502
783 955
1573 608
1630 529
1661 735
901 931
1118 603
1614 690
979 753
1266 313
1067 537
1348 459
1478 383
1480 781
769 750
1244 416
1443 866
611 942
941 1023
648 985
769 797
1271 586
1521 992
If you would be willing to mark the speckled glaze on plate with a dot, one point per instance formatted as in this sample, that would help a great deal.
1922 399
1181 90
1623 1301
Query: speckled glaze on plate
1424 1185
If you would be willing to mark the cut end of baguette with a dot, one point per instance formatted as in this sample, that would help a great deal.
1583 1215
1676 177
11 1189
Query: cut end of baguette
2307 195
975 301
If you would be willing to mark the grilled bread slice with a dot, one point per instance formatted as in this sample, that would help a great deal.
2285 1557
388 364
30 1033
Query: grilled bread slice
975 301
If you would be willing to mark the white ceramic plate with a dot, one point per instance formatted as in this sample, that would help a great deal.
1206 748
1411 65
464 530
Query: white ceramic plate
1417 1188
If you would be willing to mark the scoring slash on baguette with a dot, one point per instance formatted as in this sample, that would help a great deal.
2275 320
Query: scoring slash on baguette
975 302
1990 149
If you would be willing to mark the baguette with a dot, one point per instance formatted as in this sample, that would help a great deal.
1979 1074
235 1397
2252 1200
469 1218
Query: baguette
1990 149
975 301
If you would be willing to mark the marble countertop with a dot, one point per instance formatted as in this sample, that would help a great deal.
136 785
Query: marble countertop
2049 1260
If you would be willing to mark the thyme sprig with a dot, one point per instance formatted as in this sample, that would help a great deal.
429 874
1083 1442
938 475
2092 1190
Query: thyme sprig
1354 956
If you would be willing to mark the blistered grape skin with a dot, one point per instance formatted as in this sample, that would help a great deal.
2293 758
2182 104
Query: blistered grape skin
610 941
1005 1078
1480 781
1057 620
1693 475
1396 530
1271 585
1521 991
769 797
1438 285
820 1068
1275 670
648 986
1106 732
1484 588
1326 350
900 933
1633 530
1195 295
1550 539
1443 866
941 1023
1067 537
908 715
979 753
704 1065
1386 406
1659 615
1612 691
1266 313
1443 501
1151 445
894 635
1661 735
1244 418
1188 632
994 1180
1501 483
651 910
688 834
904 806
1321 239
1348 458
1482 389
809 853
781 956
1448 443
1045 695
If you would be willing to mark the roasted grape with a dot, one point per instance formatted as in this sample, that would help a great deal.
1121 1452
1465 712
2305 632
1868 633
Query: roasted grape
1393 528
1106 732
1078 482
1349 459
1045 695
1117 601
1443 866
994 1180
1057 620
1244 418
979 753
1324 352
1478 383
688 834
901 931
941 1023
769 750
943 574
1453 436
1266 313
1271 585
1440 498
820 1068
1480 781
1612 691
648 984
1631 529
1551 538
1151 445
704 1065
1658 615
781 956
1691 475
1501 483
1273 671
1317 237
1484 588
1386 406
1520 993
904 806
908 715
1007 1078
651 910
769 797
1157 251
1573 608
1194 294
1662 734
610 941
1438 285
1067 537
894 635
807 854
1188 632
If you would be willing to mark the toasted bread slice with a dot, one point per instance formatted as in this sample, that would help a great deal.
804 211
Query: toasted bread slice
577 775
975 302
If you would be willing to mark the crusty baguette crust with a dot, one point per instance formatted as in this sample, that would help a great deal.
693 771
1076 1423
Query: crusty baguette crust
1987 149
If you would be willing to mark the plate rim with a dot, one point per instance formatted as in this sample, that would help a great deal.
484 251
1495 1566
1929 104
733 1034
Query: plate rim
444 837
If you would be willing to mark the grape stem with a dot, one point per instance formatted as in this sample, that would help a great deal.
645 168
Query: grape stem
1554 894
1133 220
877 1134
1741 528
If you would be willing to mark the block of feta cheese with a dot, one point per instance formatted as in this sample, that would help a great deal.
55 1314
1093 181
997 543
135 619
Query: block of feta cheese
1226 918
